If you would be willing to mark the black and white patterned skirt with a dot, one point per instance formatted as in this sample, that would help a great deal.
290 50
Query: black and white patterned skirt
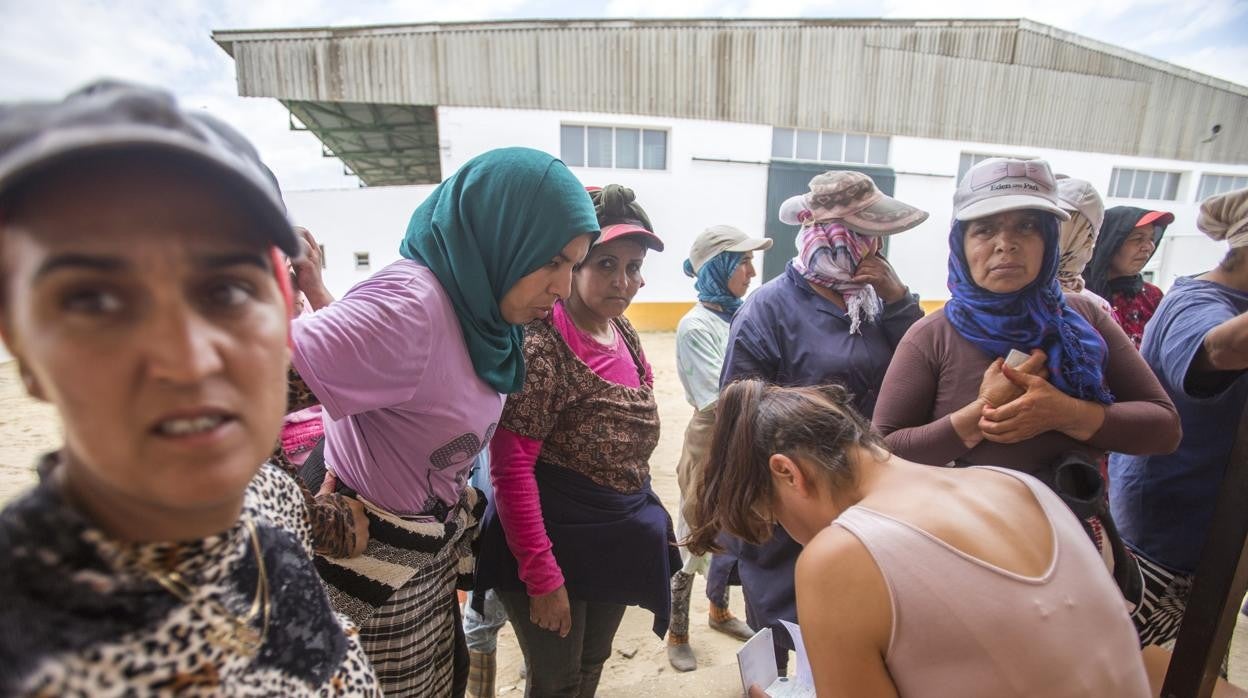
401 594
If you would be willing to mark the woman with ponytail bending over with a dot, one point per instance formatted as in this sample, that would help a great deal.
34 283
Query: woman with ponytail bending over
995 592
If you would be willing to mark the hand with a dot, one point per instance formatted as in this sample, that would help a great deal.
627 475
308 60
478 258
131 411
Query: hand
552 611
1040 408
876 270
359 527
996 390
756 692
339 526
329 485
307 271
356 533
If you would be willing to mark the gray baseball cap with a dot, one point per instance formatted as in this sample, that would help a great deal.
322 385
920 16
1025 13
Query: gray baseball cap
997 185
116 117
722 238
1079 196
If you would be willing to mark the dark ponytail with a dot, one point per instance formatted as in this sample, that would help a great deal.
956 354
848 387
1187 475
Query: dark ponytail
616 203
816 426
724 499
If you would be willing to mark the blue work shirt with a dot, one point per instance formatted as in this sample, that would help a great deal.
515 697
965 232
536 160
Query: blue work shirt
1163 505
788 334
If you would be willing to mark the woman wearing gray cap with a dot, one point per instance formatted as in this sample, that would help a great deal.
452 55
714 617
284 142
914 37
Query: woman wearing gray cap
1012 372
144 298
834 316
722 262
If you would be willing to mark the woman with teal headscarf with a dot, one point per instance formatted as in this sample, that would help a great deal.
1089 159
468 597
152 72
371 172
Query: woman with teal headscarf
412 367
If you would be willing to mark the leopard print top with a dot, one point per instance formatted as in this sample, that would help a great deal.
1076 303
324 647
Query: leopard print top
602 430
81 616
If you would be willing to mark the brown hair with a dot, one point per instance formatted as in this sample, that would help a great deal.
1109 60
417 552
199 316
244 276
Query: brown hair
616 203
755 420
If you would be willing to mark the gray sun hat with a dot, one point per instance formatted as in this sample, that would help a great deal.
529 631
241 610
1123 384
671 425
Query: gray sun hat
997 185
852 198
116 117
722 238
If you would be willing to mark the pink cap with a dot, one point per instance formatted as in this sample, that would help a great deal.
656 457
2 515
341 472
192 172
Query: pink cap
621 230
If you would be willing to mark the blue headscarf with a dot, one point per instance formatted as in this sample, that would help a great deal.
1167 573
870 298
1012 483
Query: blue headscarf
712 280
1034 316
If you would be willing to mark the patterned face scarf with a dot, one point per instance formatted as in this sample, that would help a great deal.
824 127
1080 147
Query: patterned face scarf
712 280
828 256
1078 238
1035 316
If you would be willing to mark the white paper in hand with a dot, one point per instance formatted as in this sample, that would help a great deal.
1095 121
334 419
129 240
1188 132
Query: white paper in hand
757 661
804 678
1016 358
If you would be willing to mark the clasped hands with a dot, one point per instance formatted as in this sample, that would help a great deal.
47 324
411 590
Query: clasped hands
1020 403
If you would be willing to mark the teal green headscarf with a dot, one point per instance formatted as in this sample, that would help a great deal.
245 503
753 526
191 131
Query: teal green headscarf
501 217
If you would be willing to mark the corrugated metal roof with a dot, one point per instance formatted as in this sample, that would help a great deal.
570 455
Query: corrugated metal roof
997 81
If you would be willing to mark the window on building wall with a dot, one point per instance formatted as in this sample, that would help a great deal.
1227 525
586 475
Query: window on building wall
829 146
807 145
361 261
1144 184
572 145
1211 185
608 146
628 148
654 150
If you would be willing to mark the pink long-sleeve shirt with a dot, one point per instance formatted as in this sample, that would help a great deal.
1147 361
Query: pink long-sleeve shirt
513 457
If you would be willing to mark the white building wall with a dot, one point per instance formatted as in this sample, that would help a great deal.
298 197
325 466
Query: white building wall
682 201
371 220
698 190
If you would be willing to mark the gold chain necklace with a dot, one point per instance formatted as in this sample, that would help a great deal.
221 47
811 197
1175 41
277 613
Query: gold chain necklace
227 630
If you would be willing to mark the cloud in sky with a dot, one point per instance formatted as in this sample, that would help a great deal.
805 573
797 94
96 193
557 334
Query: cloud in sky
52 46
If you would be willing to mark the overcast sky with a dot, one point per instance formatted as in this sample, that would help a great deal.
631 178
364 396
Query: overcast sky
48 47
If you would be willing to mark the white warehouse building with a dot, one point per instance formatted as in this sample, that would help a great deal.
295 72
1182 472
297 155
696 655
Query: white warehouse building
717 121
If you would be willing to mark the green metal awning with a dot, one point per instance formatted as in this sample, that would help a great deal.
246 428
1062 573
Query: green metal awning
382 144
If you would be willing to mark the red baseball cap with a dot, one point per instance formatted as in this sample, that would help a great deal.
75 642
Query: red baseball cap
619 230
622 230
1155 218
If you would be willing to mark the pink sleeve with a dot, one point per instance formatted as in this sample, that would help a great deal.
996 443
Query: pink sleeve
512 458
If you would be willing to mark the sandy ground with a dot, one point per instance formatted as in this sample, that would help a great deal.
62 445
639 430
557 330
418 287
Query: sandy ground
639 666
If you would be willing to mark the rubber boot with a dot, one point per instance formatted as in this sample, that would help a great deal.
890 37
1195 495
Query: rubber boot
481 669
679 653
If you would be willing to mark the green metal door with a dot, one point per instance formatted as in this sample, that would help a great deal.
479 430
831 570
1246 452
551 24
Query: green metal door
784 179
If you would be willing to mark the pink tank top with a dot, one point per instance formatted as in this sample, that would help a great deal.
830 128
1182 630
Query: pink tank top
964 628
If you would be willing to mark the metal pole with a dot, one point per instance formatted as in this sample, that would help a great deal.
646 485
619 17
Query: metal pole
1219 586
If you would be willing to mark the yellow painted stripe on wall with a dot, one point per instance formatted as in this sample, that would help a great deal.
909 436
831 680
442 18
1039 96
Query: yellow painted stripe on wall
657 317
663 317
